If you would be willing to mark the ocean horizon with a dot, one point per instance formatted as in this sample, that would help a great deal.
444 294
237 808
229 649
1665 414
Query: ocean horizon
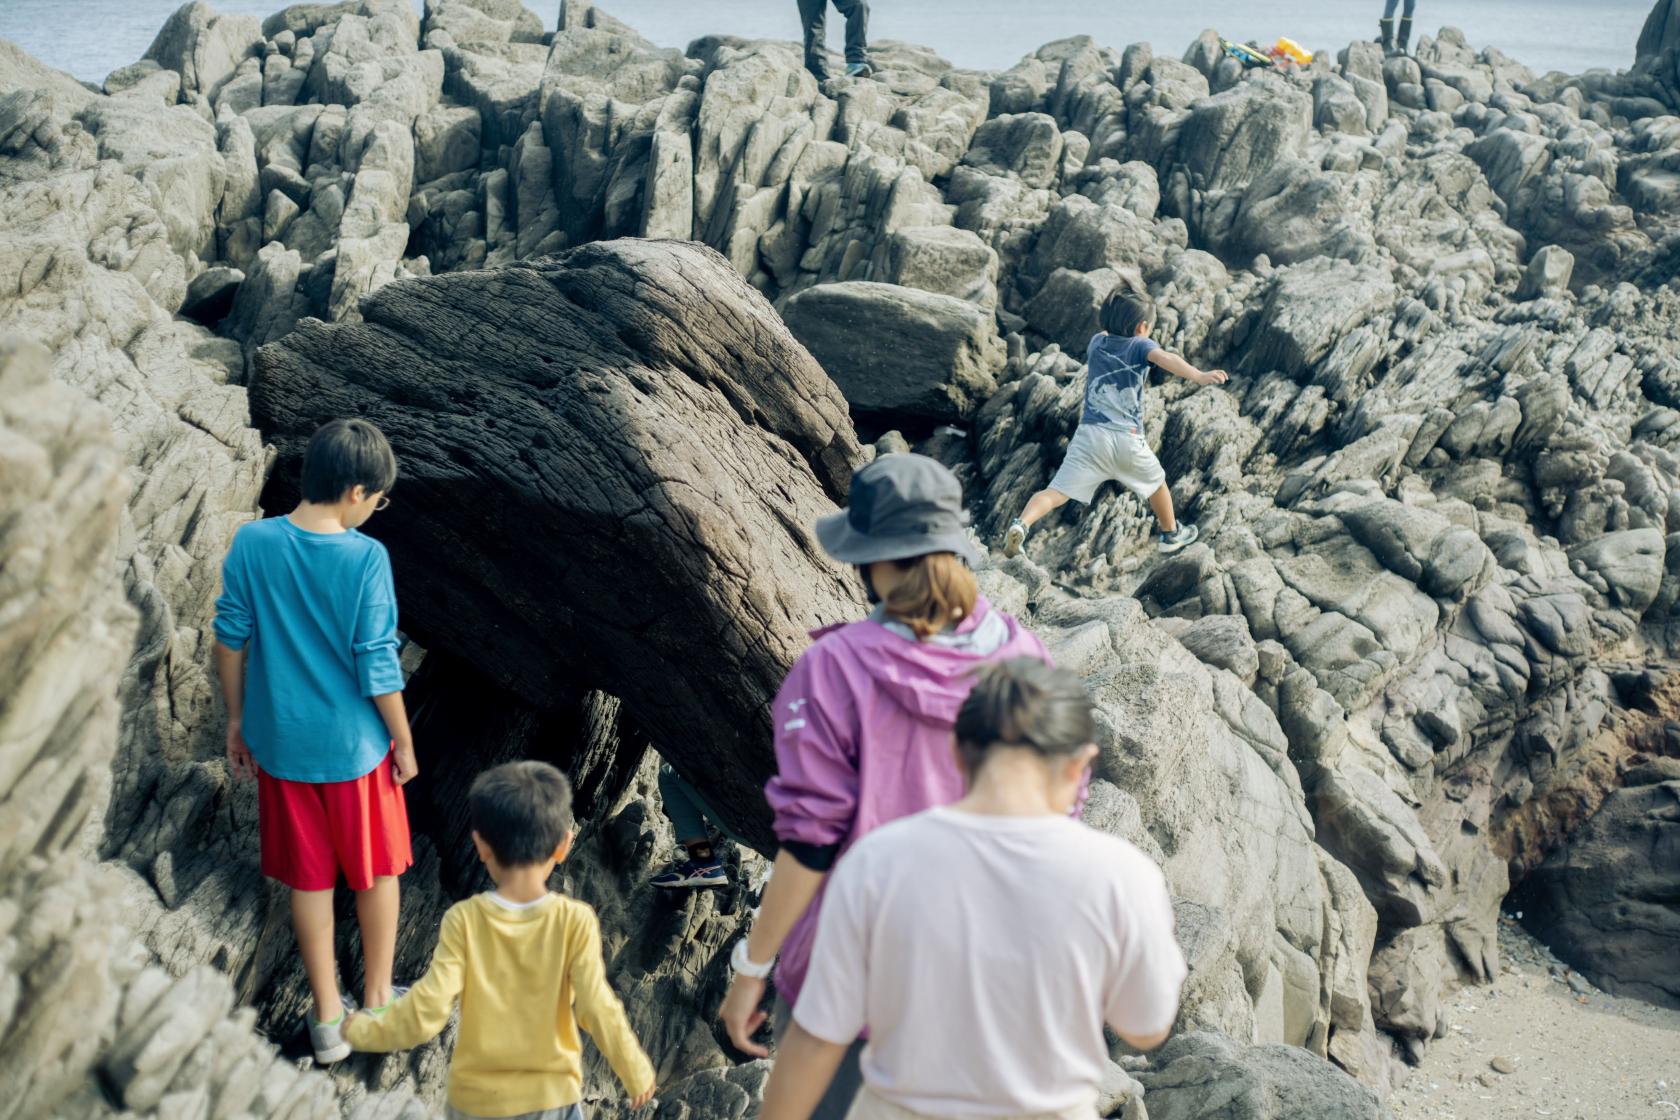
982 34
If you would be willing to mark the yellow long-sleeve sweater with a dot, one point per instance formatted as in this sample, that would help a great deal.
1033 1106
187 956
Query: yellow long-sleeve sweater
526 977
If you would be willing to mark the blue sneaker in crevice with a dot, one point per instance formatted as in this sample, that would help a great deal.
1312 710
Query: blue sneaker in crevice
692 874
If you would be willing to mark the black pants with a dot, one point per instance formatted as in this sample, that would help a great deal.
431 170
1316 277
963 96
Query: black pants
813 18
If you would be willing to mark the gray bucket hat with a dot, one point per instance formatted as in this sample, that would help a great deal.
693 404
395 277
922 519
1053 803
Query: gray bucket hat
901 506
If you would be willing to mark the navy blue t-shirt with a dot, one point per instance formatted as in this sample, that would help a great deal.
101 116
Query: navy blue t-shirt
1116 369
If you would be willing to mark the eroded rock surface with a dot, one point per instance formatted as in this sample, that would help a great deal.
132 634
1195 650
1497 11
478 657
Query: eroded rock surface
650 448
1605 901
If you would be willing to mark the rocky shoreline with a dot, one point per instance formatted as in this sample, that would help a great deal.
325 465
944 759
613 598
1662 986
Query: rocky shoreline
1422 655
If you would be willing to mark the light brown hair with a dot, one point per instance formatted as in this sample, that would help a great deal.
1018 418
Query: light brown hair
938 591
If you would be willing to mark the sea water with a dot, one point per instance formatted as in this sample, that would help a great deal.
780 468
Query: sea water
90 38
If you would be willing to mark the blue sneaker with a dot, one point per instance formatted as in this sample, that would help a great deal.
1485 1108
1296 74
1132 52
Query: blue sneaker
859 70
692 874
1179 538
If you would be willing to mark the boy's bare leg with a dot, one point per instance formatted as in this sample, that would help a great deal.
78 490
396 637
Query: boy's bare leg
312 924
376 912
1160 503
1042 504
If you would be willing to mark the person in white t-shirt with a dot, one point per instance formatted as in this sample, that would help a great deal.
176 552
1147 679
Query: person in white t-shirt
982 946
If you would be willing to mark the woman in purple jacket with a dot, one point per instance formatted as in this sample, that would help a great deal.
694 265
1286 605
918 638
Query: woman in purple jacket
863 721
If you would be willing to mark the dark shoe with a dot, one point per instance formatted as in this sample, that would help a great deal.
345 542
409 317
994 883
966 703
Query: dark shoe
1386 37
692 874
859 70
1181 537
1405 34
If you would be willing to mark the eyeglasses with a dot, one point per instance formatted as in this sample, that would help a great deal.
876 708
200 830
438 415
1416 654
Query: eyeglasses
382 503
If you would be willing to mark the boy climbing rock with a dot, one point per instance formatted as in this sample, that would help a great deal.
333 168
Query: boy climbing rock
1109 442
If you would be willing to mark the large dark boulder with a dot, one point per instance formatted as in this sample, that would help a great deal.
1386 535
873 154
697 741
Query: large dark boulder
611 465
1608 901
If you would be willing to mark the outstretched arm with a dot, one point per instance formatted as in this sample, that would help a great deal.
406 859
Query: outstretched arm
1178 367
424 1011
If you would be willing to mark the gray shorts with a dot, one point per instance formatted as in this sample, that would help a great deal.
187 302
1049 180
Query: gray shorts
1098 453
564 1112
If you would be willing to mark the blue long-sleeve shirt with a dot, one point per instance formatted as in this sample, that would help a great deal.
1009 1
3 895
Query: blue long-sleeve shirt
319 614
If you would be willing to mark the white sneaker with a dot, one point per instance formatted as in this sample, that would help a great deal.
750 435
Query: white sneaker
1015 537
327 1039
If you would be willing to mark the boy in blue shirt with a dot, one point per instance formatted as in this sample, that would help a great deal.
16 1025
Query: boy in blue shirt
1109 442
306 649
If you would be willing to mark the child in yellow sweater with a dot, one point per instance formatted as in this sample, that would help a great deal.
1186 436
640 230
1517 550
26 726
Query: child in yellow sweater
526 965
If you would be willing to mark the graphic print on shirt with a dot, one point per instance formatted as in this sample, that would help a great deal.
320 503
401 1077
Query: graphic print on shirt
1116 370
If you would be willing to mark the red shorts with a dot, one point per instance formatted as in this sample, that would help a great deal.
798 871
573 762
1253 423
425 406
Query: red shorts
313 830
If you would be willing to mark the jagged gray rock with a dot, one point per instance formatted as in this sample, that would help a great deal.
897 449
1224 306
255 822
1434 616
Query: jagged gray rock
899 350
1202 1076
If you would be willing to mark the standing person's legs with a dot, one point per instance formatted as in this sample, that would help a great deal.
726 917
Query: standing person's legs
688 819
1388 8
689 815
376 912
312 925
813 23
368 818
297 850
857 29
848 1079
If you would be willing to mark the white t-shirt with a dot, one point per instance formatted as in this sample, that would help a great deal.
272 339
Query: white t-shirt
983 955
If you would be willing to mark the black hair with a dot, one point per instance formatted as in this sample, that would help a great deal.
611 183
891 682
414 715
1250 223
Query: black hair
1025 703
347 453
522 810
1124 309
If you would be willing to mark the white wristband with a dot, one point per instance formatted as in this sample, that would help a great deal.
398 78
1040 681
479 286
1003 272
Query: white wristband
744 965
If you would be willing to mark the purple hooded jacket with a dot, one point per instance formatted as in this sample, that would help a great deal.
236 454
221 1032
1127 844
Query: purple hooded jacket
863 736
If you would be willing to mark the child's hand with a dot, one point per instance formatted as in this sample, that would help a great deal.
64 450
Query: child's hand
404 764
642 1098
240 763
1215 377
